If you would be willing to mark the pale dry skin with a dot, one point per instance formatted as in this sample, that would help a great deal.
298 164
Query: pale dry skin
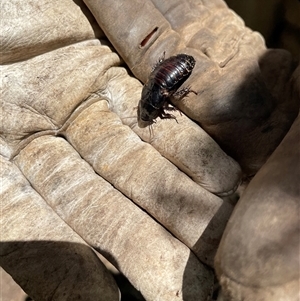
81 169
270 255
116 227
39 244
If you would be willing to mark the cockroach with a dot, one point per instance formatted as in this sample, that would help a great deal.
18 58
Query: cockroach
163 83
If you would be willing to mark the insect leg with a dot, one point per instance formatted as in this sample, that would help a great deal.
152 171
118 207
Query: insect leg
183 92
165 115
160 60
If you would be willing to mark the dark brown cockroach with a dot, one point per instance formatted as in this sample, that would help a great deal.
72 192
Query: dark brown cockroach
164 81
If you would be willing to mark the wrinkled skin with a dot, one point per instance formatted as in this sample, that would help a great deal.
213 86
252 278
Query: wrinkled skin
78 173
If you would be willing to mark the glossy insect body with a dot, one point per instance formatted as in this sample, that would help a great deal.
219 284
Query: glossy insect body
164 82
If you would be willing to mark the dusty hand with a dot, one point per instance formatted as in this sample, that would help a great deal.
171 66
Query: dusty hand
247 99
65 116
61 109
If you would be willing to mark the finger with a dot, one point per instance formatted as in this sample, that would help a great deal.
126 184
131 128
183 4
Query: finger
184 143
132 39
153 260
258 257
59 23
41 252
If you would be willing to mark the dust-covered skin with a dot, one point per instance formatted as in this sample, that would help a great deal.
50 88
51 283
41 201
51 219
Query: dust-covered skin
78 172
243 97
262 235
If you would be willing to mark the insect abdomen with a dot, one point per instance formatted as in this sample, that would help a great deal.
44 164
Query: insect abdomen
172 72
163 83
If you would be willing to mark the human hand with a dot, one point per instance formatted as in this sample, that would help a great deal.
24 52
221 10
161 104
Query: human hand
57 131
80 80
247 99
